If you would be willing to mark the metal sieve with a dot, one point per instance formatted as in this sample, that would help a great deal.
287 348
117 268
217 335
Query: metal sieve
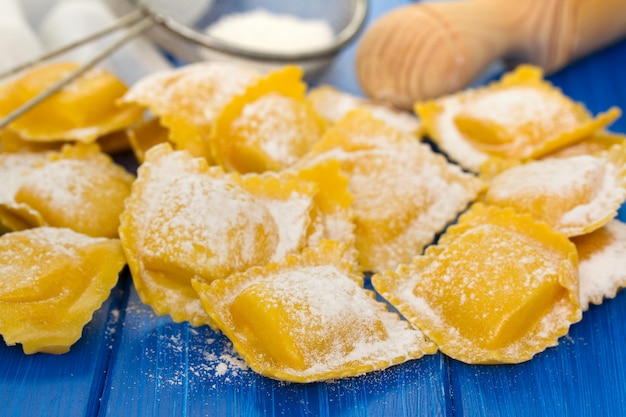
178 26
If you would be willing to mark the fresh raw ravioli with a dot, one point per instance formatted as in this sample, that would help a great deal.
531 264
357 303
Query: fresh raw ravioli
52 280
269 127
333 104
498 287
403 193
519 117
308 319
187 100
79 188
83 111
574 195
602 263
185 220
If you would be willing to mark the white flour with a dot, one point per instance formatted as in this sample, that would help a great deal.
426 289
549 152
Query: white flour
261 30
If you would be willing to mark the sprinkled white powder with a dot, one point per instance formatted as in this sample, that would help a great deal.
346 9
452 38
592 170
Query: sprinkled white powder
516 107
568 193
403 195
38 251
280 126
196 92
263 31
14 167
194 211
602 263
292 217
333 104
452 141
331 329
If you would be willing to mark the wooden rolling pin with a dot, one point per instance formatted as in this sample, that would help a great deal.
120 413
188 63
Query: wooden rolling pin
425 50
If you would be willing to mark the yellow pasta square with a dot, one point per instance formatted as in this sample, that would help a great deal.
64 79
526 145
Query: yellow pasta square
284 321
498 287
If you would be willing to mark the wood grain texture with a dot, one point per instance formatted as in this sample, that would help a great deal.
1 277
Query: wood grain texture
166 368
61 385
428 49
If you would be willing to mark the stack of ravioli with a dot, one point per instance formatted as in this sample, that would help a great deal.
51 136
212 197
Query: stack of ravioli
261 207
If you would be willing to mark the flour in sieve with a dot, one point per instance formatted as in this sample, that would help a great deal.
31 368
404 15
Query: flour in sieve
263 31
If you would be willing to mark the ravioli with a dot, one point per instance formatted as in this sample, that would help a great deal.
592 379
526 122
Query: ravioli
403 193
82 111
187 100
79 188
52 280
519 117
602 263
499 287
574 195
185 220
267 128
309 319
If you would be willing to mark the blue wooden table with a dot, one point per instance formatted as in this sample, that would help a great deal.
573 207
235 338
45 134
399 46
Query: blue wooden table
131 363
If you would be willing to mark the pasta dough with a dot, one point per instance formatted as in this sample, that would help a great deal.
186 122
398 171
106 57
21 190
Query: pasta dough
602 263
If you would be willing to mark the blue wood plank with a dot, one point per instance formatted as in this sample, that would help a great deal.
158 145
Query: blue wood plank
60 385
161 368
598 81
132 363
583 376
